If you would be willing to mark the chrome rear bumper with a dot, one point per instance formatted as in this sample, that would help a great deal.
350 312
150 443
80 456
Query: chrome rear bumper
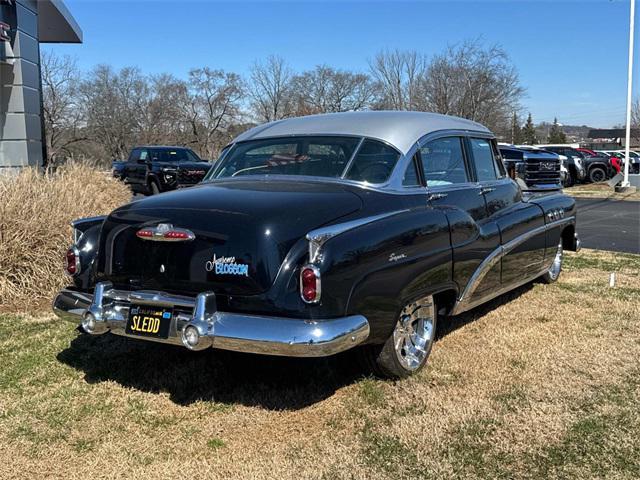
107 310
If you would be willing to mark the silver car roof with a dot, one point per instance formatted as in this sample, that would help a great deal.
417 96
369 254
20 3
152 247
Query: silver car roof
399 129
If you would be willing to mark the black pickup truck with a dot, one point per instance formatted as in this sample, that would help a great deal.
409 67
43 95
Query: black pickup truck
319 234
155 169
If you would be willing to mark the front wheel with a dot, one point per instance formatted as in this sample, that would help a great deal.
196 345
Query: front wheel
597 175
553 273
406 351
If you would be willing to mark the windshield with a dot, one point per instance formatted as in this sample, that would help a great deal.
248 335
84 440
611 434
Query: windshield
321 156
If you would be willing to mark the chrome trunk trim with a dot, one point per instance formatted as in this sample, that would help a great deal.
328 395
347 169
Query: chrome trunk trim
318 237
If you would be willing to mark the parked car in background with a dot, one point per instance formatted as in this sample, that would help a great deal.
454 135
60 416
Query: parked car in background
615 159
597 168
634 160
536 169
314 235
154 169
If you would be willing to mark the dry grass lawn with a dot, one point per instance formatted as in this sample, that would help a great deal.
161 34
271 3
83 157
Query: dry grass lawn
35 211
599 190
542 383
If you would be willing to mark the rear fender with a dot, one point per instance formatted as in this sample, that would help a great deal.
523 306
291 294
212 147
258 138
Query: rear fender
86 235
378 268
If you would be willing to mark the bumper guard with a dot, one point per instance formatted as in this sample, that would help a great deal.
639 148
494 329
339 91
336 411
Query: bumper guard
197 324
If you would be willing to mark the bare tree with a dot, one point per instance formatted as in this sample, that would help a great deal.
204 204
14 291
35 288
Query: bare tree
163 120
474 82
398 75
113 103
325 89
62 117
270 89
214 106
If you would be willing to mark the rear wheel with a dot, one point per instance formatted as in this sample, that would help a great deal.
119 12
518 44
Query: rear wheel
553 273
597 175
406 351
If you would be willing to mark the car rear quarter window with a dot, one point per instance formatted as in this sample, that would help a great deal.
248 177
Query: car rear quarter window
373 163
443 162
484 159
410 178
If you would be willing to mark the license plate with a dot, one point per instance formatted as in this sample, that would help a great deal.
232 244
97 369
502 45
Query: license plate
149 321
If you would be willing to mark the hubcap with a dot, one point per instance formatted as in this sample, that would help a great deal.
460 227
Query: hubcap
597 176
556 266
414 333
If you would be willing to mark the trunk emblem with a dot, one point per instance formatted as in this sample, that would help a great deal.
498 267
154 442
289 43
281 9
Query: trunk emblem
165 232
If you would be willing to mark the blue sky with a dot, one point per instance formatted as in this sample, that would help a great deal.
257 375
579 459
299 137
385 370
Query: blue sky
571 55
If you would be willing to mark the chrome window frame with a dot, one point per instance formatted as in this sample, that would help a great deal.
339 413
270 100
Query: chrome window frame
393 185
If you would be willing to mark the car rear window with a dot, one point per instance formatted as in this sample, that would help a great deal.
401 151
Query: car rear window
318 156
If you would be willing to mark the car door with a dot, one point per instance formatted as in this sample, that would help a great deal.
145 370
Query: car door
452 188
135 167
523 253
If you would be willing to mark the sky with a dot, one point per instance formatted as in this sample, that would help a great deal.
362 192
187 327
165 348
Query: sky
571 55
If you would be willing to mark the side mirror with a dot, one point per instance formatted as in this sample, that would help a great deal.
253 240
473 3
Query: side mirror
143 161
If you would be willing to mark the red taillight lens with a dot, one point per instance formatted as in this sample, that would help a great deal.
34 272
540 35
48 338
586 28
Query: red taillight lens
72 261
144 233
176 235
310 284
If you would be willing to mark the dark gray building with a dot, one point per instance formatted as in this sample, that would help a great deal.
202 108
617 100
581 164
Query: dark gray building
24 24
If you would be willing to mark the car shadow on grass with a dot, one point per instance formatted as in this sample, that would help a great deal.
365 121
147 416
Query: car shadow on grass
274 383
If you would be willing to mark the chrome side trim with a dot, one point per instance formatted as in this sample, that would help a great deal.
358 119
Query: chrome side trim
496 293
318 237
464 301
296 337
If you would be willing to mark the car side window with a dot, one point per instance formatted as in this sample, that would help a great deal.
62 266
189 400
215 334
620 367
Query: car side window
484 160
373 163
192 157
443 162
410 178
135 155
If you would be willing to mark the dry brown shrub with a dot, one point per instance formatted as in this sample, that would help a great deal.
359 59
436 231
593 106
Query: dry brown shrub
35 211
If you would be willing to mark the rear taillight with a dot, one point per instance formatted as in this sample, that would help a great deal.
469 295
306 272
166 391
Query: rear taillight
310 284
72 261
177 235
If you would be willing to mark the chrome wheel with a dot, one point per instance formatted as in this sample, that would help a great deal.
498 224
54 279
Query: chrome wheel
414 333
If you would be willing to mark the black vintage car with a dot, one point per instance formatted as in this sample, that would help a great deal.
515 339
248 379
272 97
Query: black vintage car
155 169
319 234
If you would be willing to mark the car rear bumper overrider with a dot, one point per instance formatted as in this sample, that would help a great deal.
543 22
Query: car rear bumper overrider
107 310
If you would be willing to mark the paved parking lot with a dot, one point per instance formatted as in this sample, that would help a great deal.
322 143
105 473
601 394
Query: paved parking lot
605 224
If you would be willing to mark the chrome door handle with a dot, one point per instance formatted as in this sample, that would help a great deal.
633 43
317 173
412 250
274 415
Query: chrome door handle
485 190
437 196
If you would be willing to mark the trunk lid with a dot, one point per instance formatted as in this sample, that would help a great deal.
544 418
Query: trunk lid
243 230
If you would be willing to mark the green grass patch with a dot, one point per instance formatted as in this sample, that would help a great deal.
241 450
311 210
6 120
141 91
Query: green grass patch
215 443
